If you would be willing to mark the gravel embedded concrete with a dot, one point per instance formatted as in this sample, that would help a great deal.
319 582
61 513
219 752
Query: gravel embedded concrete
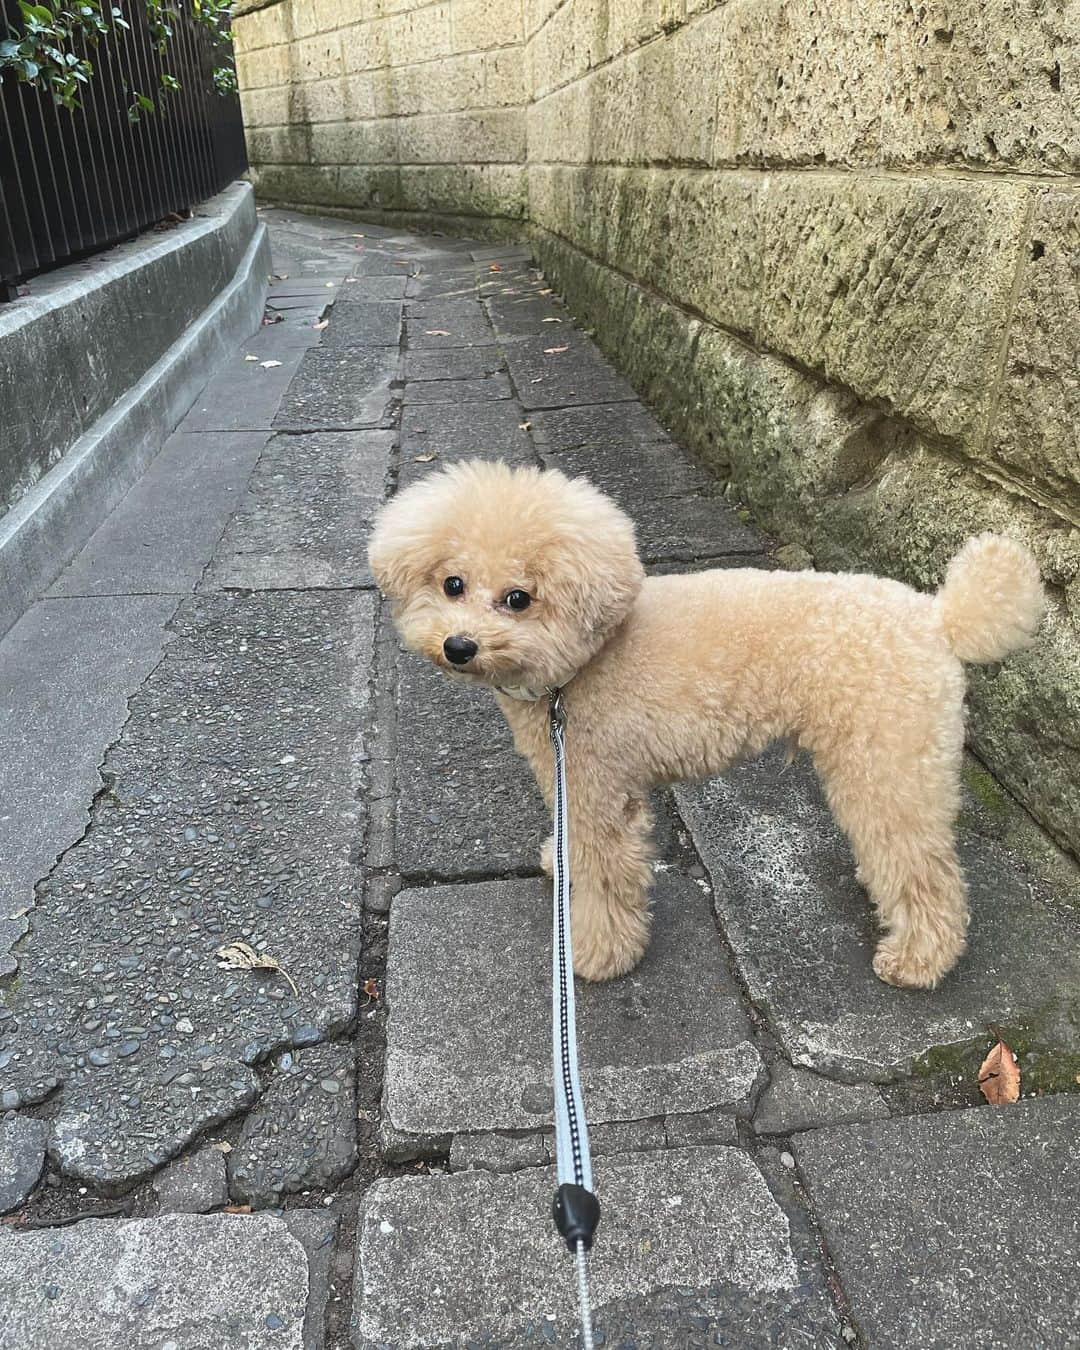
22 1158
194 1184
302 1135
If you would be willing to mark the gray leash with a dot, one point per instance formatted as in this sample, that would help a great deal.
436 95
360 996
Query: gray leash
576 1210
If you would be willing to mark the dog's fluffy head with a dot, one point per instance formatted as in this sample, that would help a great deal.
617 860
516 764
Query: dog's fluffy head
562 543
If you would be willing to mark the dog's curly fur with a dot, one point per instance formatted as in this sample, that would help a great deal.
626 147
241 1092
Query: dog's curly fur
674 677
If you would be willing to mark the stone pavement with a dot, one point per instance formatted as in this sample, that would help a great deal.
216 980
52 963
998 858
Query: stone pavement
210 737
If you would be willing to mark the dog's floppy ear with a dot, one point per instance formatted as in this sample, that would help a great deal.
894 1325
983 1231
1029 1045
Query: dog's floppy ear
399 552
592 568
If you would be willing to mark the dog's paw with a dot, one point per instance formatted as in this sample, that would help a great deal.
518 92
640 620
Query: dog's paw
547 851
915 967
607 949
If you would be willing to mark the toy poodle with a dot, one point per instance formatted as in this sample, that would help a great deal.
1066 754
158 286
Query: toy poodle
525 580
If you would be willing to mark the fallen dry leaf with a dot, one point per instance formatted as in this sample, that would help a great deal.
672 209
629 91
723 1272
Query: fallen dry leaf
237 1209
323 323
999 1076
427 457
494 267
239 955
371 989
524 426
551 351
269 365
436 332
545 291
551 320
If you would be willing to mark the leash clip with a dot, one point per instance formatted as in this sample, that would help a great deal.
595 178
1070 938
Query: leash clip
557 708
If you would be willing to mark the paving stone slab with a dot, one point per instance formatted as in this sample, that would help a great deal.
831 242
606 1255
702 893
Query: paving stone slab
365 288
803 935
305 514
443 313
22 1157
675 504
232 813
547 378
176 1282
469 363
464 431
384 262
373 323
458 331
458 391
525 313
67 670
302 1136
338 390
797 1099
441 286
194 1184
959 1229
669 1037
161 535
467 804
472 1257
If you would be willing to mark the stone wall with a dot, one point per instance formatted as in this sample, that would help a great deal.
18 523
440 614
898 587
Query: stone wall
408 108
838 246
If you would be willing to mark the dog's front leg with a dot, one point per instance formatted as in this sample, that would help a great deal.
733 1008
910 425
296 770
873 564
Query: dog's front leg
610 874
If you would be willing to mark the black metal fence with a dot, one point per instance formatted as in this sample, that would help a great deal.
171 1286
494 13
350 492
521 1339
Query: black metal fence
74 182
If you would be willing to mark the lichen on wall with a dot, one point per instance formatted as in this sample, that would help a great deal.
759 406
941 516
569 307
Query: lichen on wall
837 245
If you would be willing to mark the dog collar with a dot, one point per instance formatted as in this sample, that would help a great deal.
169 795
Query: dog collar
523 693
526 693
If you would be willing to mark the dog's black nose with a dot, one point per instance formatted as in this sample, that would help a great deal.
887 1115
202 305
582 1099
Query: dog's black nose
460 650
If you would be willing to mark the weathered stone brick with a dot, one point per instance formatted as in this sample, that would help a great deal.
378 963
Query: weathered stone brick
364 46
896 288
693 235
478 24
355 142
450 84
870 81
418 35
1035 433
467 138
504 77
316 58
613 114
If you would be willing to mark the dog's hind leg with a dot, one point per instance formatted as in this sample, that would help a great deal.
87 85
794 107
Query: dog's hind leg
898 811
611 872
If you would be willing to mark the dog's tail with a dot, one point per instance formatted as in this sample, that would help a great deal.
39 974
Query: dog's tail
992 599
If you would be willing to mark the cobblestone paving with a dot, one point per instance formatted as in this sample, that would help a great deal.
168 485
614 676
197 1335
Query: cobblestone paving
789 1153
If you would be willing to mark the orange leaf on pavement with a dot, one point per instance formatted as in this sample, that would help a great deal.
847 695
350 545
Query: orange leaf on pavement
999 1076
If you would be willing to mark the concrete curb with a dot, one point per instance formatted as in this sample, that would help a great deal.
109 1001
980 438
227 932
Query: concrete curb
51 522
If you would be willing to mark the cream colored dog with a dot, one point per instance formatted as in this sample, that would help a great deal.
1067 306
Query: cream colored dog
526 580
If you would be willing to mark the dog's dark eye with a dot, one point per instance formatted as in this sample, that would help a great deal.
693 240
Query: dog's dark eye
519 599
454 586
